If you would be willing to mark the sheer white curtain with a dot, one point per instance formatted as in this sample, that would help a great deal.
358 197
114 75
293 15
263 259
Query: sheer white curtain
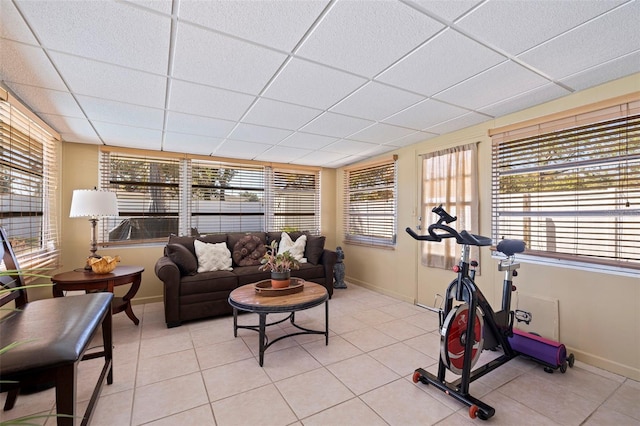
450 178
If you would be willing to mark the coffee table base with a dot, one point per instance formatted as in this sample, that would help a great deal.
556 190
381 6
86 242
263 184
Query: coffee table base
262 326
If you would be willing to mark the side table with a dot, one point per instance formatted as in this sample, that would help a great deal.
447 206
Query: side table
81 279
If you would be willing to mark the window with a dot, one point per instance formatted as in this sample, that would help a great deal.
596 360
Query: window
179 194
570 187
370 204
28 185
449 177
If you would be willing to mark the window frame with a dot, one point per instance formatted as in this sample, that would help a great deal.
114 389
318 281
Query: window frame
381 231
578 129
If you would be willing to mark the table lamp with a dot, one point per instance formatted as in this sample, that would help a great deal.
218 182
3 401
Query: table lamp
93 204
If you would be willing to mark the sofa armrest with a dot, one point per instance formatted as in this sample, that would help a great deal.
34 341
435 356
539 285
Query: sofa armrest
328 259
169 274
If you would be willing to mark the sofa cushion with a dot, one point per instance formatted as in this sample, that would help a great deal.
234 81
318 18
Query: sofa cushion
212 256
248 251
250 275
295 248
208 283
181 256
314 249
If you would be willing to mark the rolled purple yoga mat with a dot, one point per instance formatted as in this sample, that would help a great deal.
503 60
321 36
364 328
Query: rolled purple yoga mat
548 351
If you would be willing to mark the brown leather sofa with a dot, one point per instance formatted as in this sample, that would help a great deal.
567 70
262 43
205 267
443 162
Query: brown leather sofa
191 295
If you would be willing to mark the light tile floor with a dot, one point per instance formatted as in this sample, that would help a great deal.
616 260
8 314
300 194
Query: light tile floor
199 374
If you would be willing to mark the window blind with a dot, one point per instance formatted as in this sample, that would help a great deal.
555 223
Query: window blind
148 192
571 187
227 197
28 188
370 204
294 200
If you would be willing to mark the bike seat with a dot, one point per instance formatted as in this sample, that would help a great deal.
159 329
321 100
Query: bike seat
511 247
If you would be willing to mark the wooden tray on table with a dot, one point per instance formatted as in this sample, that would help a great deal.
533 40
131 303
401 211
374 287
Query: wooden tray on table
263 288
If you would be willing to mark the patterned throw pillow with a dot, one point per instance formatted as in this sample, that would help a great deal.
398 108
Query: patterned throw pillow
248 251
212 257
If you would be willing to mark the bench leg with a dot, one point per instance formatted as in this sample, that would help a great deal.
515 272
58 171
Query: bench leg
66 394
12 395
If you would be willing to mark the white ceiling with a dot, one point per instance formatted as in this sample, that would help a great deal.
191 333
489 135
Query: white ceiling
311 82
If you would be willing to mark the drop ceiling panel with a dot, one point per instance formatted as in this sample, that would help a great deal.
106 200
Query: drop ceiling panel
305 83
460 122
206 57
47 101
607 71
307 140
376 101
336 125
425 114
196 99
447 9
106 31
442 62
516 26
133 137
207 101
72 129
278 24
611 36
28 65
13 26
319 158
121 113
381 133
349 147
259 134
519 102
240 149
282 154
100 80
280 114
198 125
501 82
349 36
190 144
411 139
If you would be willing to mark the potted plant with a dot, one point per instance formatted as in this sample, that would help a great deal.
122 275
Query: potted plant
280 265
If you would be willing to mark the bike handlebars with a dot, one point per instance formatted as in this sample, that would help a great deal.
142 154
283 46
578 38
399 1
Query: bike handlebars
462 237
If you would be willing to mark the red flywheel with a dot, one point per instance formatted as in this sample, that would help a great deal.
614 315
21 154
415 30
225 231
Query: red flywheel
454 335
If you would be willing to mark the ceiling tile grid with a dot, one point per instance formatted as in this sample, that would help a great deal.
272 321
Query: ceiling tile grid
311 82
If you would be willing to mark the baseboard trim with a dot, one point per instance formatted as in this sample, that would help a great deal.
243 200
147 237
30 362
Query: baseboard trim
380 290
144 300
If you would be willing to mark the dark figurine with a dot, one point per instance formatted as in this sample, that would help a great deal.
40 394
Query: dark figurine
338 270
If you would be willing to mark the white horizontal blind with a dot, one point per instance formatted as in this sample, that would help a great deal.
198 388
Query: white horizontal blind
227 197
293 200
148 192
28 188
571 188
370 204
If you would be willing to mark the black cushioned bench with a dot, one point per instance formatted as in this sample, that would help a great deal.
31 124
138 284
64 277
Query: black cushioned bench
54 335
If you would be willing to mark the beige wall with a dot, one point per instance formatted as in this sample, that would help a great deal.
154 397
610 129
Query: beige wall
599 314
80 171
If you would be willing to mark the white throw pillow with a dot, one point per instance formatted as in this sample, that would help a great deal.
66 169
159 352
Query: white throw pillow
212 257
296 249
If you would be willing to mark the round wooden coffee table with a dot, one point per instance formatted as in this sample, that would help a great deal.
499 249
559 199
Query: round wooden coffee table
246 299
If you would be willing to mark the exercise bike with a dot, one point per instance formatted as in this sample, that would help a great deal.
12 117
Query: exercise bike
471 326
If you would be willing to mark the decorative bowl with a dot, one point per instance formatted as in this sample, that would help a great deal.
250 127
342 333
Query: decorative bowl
104 265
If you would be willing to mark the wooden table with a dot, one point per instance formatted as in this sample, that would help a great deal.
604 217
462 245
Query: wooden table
81 279
246 299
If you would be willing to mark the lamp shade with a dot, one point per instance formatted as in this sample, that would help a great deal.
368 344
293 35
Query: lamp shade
93 203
